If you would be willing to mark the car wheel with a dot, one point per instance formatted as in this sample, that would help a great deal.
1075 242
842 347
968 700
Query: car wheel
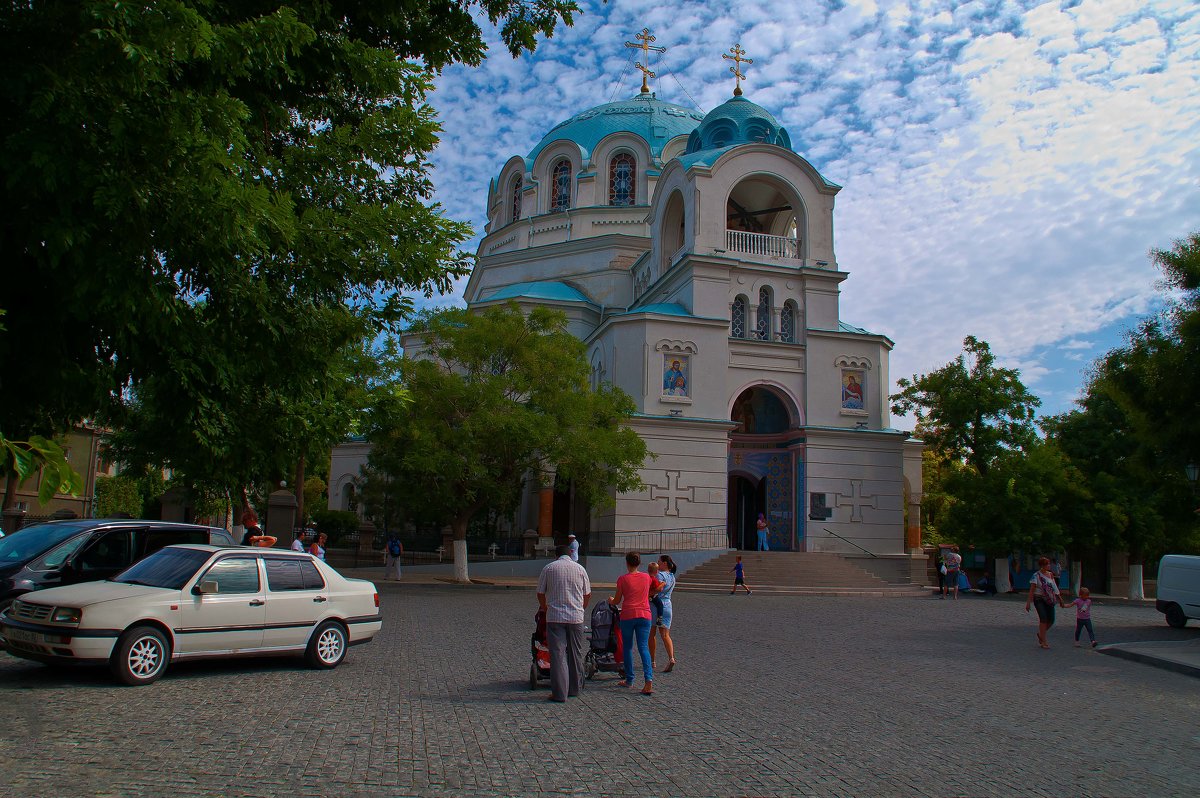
1175 617
141 656
533 675
327 647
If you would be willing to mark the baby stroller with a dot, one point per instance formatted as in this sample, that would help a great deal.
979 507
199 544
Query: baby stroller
604 652
539 650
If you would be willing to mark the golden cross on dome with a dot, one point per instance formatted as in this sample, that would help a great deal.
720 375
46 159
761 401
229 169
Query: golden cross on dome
737 60
645 38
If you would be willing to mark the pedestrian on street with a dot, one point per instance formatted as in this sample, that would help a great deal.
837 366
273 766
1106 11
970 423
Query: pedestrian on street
317 549
633 597
1044 595
563 592
739 576
763 532
1083 616
953 562
298 543
662 623
573 547
393 553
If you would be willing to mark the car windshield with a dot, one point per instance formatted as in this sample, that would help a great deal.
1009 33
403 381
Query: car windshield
28 542
169 568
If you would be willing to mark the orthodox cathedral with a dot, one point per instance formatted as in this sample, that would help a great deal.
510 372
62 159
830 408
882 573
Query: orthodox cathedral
694 255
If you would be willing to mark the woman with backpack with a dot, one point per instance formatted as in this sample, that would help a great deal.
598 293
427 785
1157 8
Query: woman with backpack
393 553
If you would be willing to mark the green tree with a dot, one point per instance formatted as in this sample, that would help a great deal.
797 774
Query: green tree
205 202
118 495
498 398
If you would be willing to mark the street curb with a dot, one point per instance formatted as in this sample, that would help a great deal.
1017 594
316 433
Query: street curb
1115 650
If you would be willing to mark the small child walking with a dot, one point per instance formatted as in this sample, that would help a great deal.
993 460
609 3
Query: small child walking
739 577
1083 616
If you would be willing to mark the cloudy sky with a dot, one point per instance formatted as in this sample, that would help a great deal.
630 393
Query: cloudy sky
1006 165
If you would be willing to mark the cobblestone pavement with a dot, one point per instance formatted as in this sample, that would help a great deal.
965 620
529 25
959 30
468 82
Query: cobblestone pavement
773 696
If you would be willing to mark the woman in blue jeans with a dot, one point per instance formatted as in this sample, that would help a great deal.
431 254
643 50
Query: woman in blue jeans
633 597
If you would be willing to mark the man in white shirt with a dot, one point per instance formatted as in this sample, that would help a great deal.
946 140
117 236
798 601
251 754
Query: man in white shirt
573 547
298 543
563 592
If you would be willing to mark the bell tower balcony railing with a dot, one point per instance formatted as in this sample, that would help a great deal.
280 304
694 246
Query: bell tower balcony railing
761 245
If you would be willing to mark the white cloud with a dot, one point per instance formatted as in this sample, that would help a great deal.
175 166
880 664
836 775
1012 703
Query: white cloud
1006 165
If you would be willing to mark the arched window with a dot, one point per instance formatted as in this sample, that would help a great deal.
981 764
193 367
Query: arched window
622 180
737 318
762 325
514 194
560 186
787 322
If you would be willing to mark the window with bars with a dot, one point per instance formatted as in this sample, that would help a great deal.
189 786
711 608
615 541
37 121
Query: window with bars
762 325
514 193
560 186
622 180
738 318
787 323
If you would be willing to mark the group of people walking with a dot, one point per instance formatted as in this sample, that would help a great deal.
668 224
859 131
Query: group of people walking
644 600
1045 596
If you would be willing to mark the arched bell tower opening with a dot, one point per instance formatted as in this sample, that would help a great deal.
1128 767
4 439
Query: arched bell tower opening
764 217
766 469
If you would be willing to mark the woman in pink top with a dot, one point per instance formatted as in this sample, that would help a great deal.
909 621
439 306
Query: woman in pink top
633 597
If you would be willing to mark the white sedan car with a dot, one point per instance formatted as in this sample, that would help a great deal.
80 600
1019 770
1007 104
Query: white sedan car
187 602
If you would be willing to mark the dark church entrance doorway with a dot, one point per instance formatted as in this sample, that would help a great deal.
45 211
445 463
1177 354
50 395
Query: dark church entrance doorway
747 498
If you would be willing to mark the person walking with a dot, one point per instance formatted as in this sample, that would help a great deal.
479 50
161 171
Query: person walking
763 532
953 562
633 598
739 576
563 592
1083 616
317 549
1044 595
393 554
662 616
298 543
573 547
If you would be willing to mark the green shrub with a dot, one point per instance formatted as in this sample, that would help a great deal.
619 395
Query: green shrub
335 523
119 495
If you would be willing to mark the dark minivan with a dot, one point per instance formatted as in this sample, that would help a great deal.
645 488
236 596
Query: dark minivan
64 552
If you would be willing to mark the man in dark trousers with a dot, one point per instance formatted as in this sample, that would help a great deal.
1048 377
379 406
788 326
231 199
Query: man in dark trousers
563 592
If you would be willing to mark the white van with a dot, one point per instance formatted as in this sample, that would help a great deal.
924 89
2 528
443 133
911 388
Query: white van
1178 589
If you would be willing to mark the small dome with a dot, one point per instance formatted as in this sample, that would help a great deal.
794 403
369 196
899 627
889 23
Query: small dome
737 121
655 121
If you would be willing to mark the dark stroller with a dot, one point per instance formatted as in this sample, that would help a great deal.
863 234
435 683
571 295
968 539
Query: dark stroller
604 651
539 651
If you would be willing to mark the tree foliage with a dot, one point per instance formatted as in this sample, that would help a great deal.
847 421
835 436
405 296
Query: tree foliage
495 399
118 495
206 203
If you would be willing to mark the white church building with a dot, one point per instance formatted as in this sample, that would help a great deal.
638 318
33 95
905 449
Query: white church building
694 255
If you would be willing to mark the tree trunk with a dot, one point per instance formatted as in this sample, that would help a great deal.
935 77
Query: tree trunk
1137 591
1076 576
10 491
1003 584
459 527
300 492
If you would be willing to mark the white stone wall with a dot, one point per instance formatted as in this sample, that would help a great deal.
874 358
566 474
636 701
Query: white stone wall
861 473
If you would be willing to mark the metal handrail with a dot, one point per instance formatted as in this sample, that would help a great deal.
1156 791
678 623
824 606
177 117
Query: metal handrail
851 542
705 537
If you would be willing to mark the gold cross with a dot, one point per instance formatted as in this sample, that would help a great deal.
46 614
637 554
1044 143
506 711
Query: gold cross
645 38
737 60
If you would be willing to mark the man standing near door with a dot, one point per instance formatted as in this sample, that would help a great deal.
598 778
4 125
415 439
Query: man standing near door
563 592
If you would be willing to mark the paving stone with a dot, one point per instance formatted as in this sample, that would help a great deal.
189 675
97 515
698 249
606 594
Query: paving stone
773 696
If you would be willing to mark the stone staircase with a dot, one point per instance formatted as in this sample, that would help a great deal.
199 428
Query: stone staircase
792 573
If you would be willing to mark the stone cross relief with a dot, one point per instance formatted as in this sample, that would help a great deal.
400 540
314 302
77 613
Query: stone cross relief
856 500
673 492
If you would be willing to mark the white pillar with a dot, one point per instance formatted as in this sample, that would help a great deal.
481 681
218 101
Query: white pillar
1136 590
1003 584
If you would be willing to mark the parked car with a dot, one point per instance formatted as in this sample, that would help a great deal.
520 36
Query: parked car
186 602
1178 590
60 553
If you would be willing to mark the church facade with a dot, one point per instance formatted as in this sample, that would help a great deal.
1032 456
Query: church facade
694 255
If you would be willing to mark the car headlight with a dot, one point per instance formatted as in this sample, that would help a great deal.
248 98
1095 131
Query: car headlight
66 615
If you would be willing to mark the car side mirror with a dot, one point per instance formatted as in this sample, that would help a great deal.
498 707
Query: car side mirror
207 586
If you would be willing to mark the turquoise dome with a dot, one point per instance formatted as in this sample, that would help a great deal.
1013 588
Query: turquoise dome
737 121
654 121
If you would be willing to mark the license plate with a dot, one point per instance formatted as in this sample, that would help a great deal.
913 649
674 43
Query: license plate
22 636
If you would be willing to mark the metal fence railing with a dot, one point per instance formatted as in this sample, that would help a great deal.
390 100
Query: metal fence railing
701 537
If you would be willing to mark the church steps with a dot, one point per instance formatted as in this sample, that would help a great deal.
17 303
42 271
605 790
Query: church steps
792 573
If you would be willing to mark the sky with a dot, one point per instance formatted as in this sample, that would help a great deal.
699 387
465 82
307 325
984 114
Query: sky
1006 166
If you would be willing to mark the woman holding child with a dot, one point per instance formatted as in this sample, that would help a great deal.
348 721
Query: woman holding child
663 611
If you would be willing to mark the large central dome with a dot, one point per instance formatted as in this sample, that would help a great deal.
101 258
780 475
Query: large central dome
655 121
